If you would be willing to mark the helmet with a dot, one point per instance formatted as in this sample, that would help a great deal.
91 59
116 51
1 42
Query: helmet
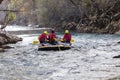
45 32
66 31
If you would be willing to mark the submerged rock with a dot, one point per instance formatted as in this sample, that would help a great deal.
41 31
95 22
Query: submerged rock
6 47
115 78
118 42
117 56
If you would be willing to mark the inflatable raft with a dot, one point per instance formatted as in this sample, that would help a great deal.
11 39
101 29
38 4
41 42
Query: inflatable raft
54 47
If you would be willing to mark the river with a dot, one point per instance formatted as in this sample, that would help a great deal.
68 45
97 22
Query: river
89 59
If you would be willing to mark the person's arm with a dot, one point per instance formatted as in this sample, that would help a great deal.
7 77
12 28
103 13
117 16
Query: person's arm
64 37
49 37
46 38
55 37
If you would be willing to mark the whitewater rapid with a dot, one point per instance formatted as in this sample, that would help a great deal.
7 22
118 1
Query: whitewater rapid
89 59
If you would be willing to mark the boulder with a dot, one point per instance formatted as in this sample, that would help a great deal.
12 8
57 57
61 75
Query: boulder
2 50
117 56
6 38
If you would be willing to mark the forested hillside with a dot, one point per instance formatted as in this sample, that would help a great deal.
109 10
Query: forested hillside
101 16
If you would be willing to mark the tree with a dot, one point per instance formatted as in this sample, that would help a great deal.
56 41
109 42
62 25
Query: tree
10 15
19 12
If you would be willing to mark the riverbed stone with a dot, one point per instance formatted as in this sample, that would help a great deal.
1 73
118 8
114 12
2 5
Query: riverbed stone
2 50
117 56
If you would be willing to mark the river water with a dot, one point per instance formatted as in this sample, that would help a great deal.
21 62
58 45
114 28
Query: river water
89 59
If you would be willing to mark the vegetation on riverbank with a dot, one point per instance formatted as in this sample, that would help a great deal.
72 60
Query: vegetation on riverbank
7 15
91 16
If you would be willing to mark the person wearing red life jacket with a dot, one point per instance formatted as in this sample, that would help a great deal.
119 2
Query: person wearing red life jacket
43 38
67 37
52 37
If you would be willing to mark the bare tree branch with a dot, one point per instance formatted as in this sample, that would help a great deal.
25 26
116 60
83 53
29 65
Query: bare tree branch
12 10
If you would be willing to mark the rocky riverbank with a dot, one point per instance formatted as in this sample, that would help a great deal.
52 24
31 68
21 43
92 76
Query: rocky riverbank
6 38
111 28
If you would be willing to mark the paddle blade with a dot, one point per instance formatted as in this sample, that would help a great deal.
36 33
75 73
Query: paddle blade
38 37
72 40
55 39
35 42
61 40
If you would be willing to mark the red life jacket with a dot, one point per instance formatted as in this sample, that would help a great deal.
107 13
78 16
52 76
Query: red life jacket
42 37
67 37
51 37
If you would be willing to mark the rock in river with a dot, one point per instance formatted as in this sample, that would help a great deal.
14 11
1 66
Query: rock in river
6 38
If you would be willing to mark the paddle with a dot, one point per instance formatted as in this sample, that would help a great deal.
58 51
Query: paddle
61 40
35 42
72 40
59 48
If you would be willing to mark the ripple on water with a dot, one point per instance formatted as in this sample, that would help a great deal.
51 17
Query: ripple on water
89 59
